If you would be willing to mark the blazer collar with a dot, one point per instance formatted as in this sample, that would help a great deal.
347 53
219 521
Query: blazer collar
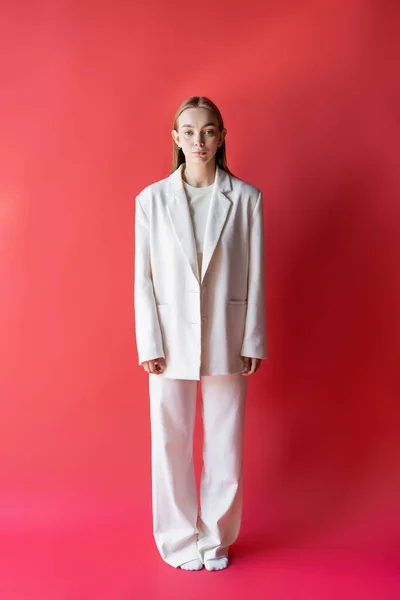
181 219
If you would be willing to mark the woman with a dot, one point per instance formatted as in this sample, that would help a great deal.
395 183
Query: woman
200 316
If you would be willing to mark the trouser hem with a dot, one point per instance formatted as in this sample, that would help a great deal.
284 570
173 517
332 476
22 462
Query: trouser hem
178 558
214 553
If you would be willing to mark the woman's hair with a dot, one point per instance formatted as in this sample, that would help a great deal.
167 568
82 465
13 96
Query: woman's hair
199 102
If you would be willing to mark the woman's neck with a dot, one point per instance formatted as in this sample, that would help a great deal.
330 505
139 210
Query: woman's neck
199 175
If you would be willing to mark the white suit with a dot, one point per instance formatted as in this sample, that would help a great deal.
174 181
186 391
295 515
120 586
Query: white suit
201 323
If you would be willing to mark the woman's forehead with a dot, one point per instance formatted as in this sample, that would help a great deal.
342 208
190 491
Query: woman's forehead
196 117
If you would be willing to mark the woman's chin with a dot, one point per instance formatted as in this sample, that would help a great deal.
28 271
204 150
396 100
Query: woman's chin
200 160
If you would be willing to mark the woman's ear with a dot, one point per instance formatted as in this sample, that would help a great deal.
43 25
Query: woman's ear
223 135
175 136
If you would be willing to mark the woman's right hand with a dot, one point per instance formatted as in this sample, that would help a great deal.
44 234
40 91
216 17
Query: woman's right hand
155 366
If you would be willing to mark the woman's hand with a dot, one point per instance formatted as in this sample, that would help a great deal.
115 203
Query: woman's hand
155 366
251 365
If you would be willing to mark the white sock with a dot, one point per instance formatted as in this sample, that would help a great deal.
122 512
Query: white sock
192 565
216 564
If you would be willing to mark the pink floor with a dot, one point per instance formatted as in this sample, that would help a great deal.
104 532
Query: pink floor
96 553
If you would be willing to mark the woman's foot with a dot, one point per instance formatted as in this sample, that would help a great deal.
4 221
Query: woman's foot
216 564
192 565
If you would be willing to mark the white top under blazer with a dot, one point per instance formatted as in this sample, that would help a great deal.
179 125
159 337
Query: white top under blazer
199 199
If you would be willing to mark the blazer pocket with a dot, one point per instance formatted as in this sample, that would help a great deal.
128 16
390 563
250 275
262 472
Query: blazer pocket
237 301
162 305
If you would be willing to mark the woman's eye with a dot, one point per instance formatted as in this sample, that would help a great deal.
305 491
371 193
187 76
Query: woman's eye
208 131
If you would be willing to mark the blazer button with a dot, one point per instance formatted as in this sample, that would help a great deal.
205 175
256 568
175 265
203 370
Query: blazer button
204 318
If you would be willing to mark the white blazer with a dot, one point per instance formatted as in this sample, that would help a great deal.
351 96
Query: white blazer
201 323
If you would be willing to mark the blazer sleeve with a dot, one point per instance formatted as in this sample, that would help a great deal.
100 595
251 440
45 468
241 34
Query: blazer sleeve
255 337
148 332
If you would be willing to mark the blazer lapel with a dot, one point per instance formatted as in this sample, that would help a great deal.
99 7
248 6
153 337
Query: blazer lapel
181 220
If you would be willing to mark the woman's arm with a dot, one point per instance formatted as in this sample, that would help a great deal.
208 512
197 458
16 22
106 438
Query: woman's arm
254 340
148 332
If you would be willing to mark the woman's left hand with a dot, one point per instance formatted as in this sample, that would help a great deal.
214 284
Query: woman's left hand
251 365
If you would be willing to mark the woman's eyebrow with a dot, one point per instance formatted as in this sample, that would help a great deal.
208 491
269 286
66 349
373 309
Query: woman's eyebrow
206 125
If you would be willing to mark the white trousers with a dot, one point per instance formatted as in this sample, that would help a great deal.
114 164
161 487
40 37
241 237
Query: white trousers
181 531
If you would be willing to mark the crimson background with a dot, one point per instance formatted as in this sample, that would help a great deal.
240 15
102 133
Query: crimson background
309 93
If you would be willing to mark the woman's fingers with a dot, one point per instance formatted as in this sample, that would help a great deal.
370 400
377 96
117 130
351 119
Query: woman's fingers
251 365
155 366
159 365
247 364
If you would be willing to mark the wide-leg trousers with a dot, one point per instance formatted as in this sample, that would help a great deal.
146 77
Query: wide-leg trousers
183 532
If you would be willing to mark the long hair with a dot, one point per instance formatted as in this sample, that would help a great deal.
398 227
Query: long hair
178 156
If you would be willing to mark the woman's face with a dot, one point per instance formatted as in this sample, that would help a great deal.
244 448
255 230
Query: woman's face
198 134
